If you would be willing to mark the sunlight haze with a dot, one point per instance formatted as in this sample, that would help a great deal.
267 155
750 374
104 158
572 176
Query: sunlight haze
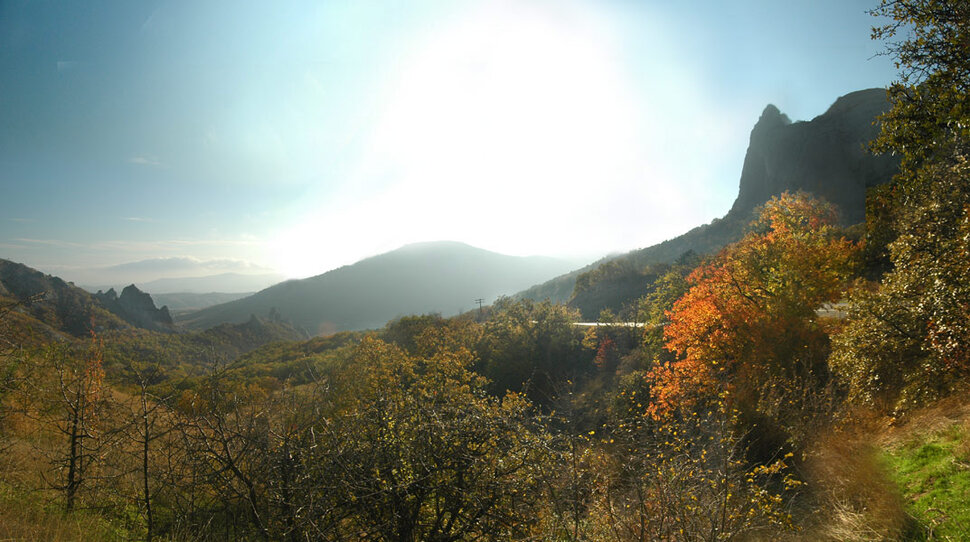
300 137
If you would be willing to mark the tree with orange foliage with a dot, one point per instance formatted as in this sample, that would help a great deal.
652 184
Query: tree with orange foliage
748 325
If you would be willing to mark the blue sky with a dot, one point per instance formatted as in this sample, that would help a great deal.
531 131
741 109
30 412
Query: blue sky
301 136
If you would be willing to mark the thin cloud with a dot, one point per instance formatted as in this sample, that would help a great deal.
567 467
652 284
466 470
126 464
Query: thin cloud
49 242
22 220
137 219
188 263
146 246
146 161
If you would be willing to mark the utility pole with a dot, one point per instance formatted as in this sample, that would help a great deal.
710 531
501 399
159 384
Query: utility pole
479 301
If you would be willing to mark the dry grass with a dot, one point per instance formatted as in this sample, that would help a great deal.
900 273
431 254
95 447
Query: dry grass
852 497
27 517
873 480
944 414
29 510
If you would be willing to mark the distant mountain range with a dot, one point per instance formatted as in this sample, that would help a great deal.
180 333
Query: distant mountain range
183 302
440 277
223 283
826 156
231 283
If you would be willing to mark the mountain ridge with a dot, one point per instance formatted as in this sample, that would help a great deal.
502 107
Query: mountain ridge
431 277
826 156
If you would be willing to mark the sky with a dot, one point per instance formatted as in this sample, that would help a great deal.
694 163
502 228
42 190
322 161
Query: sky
192 138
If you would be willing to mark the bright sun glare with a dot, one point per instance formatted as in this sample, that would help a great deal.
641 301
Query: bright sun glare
500 110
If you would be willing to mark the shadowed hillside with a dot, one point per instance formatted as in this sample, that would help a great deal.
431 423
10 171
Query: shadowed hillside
443 277
51 302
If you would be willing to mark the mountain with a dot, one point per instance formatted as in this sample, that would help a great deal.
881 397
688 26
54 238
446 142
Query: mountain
442 277
187 294
48 305
826 156
229 283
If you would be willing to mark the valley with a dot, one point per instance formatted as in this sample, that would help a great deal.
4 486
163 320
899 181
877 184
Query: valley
786 357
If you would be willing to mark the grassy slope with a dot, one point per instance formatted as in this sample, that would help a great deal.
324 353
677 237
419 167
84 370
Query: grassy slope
929 460
25 516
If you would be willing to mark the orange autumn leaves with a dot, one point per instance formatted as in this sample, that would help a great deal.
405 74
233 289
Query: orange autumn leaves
750 311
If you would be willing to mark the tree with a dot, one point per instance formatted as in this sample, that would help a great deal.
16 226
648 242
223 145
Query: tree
532 347
929 102
652 308
906 339
404 331
149 422
686 478
71 398
225 435
10 363
415 450
747 325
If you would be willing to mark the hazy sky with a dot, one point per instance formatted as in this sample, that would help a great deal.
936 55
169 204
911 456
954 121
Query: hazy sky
301 136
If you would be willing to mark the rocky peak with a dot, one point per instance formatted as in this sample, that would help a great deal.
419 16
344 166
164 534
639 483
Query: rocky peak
771 119
110 295
136 300
137 308
827 156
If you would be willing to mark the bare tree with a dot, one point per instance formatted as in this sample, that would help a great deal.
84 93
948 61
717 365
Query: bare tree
69 396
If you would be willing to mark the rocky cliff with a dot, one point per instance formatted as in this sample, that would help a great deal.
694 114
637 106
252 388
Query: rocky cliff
137 308
827 156
52 302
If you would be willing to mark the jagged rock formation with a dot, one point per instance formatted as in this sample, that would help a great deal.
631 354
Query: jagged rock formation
54 303
137 308
826 156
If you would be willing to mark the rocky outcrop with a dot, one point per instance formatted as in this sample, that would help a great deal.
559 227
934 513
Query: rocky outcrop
827 156
137 308
53 302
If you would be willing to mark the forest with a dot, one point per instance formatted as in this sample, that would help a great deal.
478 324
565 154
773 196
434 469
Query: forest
735 407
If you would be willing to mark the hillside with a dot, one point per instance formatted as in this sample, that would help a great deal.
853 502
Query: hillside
188 353
48 302
826 156
443 277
